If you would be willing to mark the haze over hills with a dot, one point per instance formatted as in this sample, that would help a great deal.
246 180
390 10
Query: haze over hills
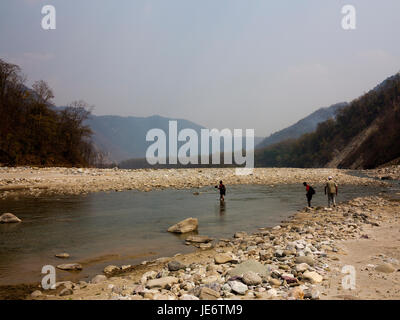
364 135
305 125
123 138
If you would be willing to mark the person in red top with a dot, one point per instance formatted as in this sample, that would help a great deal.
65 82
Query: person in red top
310 192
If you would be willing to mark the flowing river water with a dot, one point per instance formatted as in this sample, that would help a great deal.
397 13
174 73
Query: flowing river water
100 229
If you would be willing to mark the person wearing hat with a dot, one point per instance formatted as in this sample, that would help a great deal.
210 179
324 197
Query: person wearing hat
331 189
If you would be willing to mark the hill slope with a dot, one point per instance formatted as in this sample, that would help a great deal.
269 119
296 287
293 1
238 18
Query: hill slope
122 138
364 134
306 125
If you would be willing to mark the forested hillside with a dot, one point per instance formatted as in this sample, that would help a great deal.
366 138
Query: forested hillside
32 132
365 134
305 125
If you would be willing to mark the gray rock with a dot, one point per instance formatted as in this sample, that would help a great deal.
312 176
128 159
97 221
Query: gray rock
209 294
187 225
188 297
199 239
222 258
99 279
110 269
175 266
66 292
70 267
305 259
162 282
238 287
251 278
313 276
385 268
9 218
249 265
36 294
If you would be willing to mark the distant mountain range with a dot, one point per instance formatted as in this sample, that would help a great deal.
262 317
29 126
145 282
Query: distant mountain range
123 138
306 125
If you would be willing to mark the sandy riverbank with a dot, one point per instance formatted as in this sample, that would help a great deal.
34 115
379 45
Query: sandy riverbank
301 259
37 181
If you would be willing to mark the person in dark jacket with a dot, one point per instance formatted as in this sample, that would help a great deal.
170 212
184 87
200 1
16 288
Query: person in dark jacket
222 191
310 192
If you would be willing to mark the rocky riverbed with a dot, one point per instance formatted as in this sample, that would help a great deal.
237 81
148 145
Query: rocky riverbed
37 181
387 173
301 258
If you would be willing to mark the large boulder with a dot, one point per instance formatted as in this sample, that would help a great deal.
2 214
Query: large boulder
9 218
187 225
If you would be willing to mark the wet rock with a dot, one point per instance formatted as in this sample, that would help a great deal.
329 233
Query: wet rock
199 239
70 267
238 287
62 255
9 218
240 234
109 270
252 279
162 282
187 225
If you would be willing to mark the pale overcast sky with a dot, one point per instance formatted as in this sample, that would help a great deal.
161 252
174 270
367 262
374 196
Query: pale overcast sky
221 63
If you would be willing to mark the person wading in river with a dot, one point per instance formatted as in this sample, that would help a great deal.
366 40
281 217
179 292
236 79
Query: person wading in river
331 189
310 192
222 191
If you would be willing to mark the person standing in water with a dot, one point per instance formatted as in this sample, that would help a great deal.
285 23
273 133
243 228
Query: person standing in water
331 189
310 192
222 191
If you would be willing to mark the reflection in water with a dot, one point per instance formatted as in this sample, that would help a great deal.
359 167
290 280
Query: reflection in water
222 208
122 228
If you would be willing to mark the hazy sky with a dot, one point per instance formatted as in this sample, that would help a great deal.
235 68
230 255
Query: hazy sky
221 63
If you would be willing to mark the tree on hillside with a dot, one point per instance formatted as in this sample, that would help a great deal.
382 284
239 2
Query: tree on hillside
33 132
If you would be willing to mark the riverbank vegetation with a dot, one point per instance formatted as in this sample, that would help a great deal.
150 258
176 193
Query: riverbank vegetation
33 131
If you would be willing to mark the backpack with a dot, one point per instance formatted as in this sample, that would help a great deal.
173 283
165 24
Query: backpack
312 190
